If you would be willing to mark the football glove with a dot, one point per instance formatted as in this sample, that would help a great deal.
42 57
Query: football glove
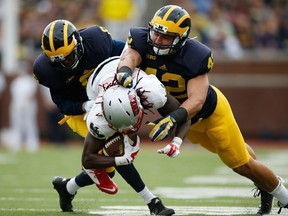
130 152
172 149
124 77
87 106
164 126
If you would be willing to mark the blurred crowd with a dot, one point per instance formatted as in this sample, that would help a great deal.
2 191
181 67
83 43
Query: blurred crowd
232 26
115 15
220 24
254 23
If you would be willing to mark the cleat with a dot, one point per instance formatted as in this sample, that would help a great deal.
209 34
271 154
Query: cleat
266 204
156 207
65 199
280 205
106 184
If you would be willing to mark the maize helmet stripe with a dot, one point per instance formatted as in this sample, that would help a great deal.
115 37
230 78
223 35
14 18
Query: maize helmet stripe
58 39
166 15
65 34
174 20
170 14
162 12
51 44
59 32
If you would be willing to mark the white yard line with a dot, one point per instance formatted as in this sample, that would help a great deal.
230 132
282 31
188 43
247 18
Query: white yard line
180 210
202 192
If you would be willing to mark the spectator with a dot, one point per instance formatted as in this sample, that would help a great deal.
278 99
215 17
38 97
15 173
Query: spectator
23 111
2 88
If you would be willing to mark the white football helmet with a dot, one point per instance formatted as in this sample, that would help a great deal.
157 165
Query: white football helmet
122 109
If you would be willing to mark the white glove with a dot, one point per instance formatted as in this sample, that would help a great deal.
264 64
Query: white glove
172 149
87 106
130 152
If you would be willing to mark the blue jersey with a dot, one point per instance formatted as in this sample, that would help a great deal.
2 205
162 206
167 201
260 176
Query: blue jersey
174 71
68 87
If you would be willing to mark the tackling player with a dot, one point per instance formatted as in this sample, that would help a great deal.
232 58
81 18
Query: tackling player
182 65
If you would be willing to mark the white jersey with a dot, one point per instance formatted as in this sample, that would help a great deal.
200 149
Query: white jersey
102 78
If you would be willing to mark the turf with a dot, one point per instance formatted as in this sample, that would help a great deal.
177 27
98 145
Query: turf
196 183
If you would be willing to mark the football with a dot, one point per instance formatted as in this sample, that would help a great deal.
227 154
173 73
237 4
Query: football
114 145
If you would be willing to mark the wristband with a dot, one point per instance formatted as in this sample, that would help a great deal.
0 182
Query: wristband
125 69
177 141
121 161
180 115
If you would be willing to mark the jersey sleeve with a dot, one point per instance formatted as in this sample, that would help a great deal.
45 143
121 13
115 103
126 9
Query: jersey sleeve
207 64
44 73
137 40
97 43
196 57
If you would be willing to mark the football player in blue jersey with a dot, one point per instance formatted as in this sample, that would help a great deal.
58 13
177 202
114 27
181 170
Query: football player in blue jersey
68 59
182 65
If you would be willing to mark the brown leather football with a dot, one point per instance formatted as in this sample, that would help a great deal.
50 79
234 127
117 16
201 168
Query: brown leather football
114 145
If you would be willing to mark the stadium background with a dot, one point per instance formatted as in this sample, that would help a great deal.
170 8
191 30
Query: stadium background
249 40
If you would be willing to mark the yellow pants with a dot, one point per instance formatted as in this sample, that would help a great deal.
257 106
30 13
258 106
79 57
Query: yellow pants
78 125
220 134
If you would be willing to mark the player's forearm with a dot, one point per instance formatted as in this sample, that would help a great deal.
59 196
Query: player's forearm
182 129
197 89
97 161
91 158
171 105
129 58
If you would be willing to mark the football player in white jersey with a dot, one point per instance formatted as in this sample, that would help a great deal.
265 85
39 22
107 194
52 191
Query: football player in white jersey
146 93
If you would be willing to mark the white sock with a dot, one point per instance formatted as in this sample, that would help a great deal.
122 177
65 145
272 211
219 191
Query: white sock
72 186
146 195
281 193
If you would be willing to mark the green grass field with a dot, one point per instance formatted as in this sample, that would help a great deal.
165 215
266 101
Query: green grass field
196 183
